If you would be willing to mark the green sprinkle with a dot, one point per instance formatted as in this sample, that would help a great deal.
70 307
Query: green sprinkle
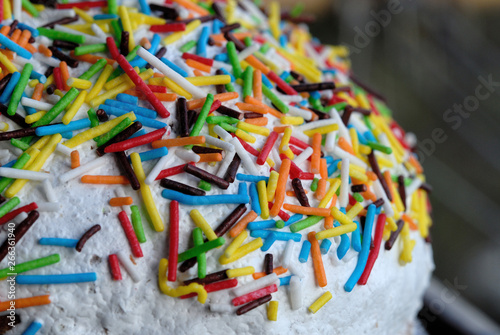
314 184
274 99
221 118
98 66
19 89
58 108
229 87
104 138
195 251
19 164
265 48
30 8
297 9
60 35
228 127
247 82
316 103
306 223
90 49
94 120
202 117
258 3
368 123
248 41
289 79
9 205
383 109
188 46
280 224
31 265
112 7
137 224
380 147
233 59
202 257
339 106
358 197
19 144
117 30
205 185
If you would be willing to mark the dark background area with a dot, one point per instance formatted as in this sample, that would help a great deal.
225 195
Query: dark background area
428 58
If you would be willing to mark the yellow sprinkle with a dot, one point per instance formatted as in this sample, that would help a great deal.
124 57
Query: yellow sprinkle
274 19
83 14
271 185
364 149
356 172
33 82
176 88
237 242
157 81
348 98
340 217
263 198
292 120
146 19
336 231
408 245
33 152
39 7
178 35
233 273
320 302
40 143
147 196
354 140
351 214
108 69
322 130
253 128
362 101
200 222
7 63
58 93
245 136
4 126
391 224
34 117
287 134
241 251
75 106
119 80
334 185
36 165
79 83
180 290
7 10
272 310
103 128
230 9
123 13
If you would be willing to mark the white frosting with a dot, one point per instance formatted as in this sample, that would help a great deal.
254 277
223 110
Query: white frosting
387 304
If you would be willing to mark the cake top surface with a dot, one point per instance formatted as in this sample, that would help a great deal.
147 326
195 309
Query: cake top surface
161 157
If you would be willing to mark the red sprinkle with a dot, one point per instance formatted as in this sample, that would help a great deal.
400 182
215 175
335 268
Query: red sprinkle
173 249
238 301
82 4
136 141
377 240
168 27
129 232
215 105
203 60
156 89
283 215
301 144
281 83
58 79
266 149
172 171
114 265
11 215
214 287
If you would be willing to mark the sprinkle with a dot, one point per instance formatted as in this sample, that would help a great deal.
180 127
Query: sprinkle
232 273
195 251
19 232
201 223
242 251
320 302
30 265
56 279
62 242
37 324
304 251
239 227
81 242
394 235
126 262
251 296
176 142
204 175
25 302
296 293
254 304
114 265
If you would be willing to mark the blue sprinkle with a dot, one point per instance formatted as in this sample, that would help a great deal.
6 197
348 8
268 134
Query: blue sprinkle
280 235
174 67
283 41
56 279
147 122
132 108
257 225
105 16
315 95
285 281
266 82
28 110
251 178
201 46
144 7
271 238
240 198
10 86
324 247
294 218
226 72
33 328
304 251
222 57
216 26
127 98
41 78
254 199
153 154
356 238
62 128
345 242
139 133
60 242
67 134
284 75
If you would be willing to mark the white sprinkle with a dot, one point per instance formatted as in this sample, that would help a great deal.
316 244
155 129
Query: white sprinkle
256 284
218 143
23 174
287 254
120 192
245 157
83 169
344 184
162 162
129 266
380 193
188 156
49 191
63 149
296 295
228 158
304 155
222 133
38 105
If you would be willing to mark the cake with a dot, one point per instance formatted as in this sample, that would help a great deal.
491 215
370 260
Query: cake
198 167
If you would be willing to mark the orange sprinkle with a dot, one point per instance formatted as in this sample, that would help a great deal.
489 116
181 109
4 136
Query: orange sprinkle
16 35
307 210
5 30
145 43
279 271
329 219
292 193
257 64
371 175
121 201
344 145
280 129
211 157
92 59
177 142
198 103
158 75
272 111
319 270
37 92
26 302
242 224
197 65
323 170
388 180
64 74
321 190
316 155
251 108
8 53
279 198
25 36
193 7
416 164
369 195
75 159
257 84
409 220
258 121
221 38
198 73
121 180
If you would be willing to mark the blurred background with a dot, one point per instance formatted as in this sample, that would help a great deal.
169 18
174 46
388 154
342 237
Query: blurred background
437 64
